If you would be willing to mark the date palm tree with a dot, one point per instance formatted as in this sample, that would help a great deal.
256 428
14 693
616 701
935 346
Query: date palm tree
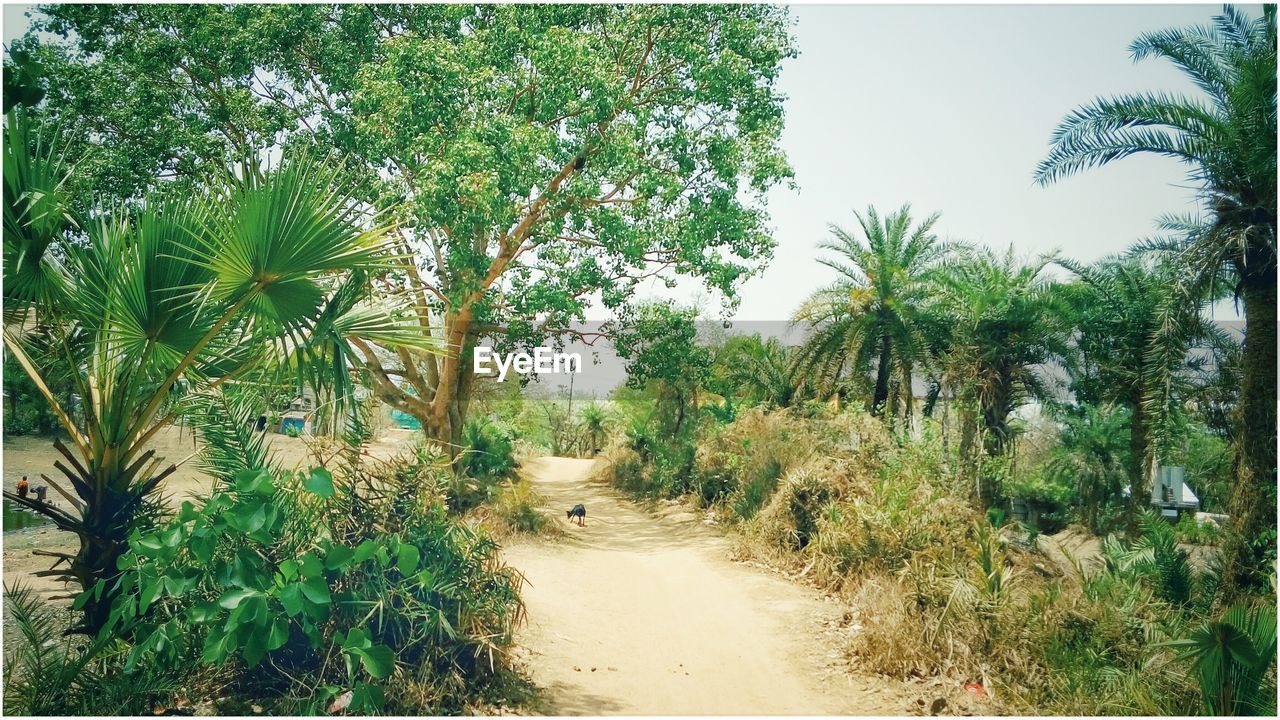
869 319
153 306
1227 137
1133 335
1005 327
760 370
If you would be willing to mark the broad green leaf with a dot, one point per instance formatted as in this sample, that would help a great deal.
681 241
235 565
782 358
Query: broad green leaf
279 634
366 550
291 598
320 482
316 590
338 557
379 661
407 559
232 598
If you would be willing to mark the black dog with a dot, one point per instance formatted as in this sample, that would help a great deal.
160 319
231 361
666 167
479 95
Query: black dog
579 511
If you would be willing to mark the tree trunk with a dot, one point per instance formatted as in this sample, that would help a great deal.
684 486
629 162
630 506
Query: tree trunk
1139 447
1251 547
882 377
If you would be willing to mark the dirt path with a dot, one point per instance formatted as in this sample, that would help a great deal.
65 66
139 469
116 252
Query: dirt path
642 615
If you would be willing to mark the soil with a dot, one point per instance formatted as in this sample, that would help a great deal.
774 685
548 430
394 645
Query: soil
640 613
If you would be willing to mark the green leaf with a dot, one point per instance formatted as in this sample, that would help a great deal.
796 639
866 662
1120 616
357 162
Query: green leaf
355 639
257 481
379 661
279 634
339 557
407 558
366 550
320 482
149 593
255 648
311 565
232 598
291 599
317 591
203 612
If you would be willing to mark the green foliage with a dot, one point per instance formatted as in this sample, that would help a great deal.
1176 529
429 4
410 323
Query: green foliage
756 371
172 298
1232 658
490 453
1226 136
1092 457
517 506
534 155
875 315
1155 558
273 575
50 673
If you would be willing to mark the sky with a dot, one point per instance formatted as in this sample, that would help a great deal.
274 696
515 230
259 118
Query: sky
950 108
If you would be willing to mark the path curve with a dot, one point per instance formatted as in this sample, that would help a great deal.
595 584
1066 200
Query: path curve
637 614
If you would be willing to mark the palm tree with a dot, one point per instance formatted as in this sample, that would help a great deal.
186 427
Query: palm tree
1230 658
155 306
1133 333
595 420
1005 327
1092 455
759 370
870 317
1228 138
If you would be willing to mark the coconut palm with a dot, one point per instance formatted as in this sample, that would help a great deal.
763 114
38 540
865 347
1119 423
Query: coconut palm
1133 335
870 317
153 306
1005 327
1228 138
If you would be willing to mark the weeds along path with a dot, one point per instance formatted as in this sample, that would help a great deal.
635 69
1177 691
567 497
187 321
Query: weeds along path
637 614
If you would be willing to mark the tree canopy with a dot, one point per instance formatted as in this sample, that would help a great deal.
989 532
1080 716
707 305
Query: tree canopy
532 158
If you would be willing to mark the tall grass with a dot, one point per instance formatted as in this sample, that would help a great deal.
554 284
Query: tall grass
934 587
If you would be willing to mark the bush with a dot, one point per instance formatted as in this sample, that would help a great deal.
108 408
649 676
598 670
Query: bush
517 508
281 577
52 673
490 452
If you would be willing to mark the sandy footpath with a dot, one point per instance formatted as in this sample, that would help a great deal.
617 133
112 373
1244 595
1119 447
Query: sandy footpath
636 614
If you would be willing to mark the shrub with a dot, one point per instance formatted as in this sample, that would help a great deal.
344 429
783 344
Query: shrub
517 508
279 576
52 673
790 520
490 452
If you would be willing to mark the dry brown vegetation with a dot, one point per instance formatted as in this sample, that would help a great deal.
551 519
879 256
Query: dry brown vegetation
934 589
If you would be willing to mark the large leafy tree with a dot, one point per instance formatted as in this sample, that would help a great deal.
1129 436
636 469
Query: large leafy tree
1005 328
533 157
871 319
1227 137
150 307
1133 333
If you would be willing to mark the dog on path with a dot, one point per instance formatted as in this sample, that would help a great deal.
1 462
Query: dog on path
579 511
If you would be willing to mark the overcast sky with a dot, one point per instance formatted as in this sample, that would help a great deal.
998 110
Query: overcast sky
950 108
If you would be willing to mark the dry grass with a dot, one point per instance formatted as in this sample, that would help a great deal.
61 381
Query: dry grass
517 509
933 590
